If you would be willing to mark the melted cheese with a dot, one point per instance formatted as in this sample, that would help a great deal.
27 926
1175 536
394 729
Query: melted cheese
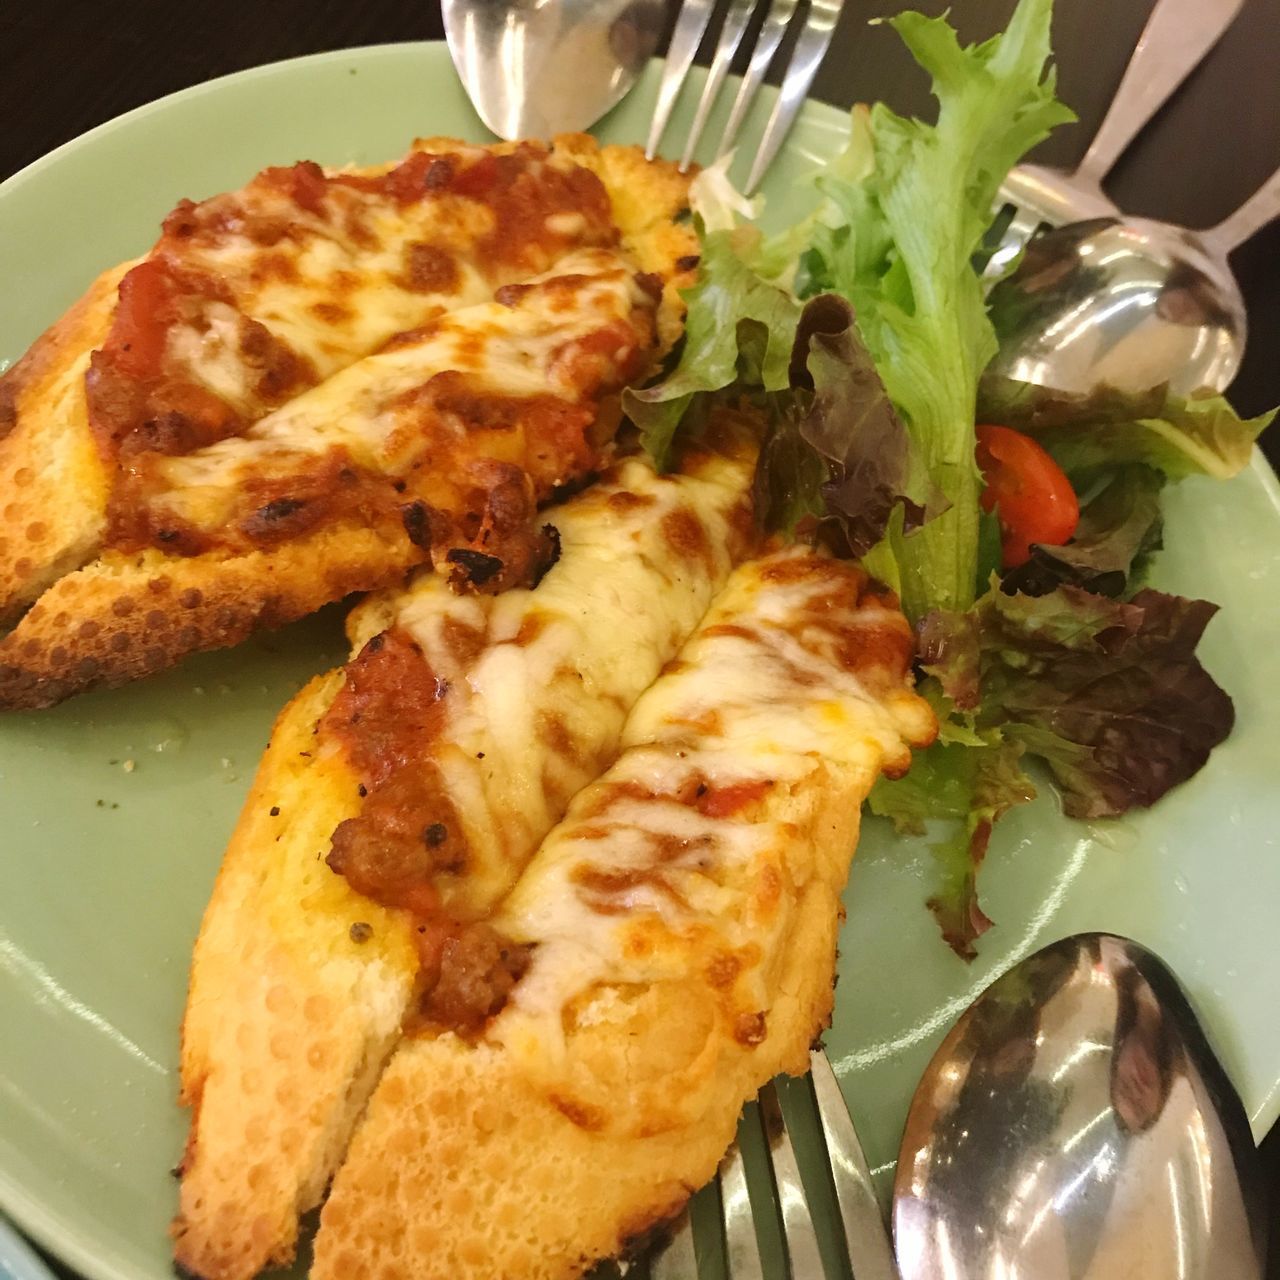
512 350
795 675
331 282
540 680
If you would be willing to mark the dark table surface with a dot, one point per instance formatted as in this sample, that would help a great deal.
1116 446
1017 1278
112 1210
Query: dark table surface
71 64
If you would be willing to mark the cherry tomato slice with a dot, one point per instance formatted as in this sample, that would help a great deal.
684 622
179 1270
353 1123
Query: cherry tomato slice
1027 490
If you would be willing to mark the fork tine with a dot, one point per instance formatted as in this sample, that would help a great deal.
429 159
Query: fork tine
776 21
677 1259
801 1238
811 45
864 1229
735 24
742 1248
692 22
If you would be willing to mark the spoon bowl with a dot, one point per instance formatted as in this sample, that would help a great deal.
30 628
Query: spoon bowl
535 68
1076 1125
1128 302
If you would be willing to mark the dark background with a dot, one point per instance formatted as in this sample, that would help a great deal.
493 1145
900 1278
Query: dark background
69 66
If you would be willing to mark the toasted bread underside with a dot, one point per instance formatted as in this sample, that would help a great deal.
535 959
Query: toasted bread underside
125 616
283 1037
84 629
682 920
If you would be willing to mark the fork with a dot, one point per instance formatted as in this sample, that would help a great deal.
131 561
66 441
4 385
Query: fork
1176 39
862 1243
817 27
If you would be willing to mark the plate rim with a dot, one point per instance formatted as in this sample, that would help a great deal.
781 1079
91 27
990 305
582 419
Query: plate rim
18 1260
20 176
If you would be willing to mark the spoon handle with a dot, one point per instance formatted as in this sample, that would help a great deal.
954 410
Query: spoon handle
1177 36
1251 216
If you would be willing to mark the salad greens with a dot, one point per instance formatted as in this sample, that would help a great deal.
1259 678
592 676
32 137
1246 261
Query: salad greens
860 335
1199 435
901 250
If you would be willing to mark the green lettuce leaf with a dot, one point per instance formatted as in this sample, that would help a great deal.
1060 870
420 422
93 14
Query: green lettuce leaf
956 793
739 331
948 648
1109 694
1091 434
897 238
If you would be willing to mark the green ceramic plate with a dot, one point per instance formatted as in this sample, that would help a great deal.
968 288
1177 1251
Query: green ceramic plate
116 807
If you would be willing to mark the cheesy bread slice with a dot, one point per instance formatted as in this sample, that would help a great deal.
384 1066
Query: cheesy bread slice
440 447
677 933
251 298
397 802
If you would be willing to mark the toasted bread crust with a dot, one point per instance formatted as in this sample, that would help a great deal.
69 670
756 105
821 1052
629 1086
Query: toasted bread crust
682 923
290 1016
52 476
277 908
126 616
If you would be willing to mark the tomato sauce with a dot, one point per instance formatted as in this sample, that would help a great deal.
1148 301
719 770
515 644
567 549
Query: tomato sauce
389 717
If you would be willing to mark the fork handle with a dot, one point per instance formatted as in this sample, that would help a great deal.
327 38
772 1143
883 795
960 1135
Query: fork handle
1175 40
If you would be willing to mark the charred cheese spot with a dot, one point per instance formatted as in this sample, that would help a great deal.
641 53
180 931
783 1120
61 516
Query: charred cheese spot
275 266
684 535
429 269
331 313
625 502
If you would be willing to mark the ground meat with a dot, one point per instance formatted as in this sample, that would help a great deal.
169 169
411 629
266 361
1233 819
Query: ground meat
474 971
388 715
390 853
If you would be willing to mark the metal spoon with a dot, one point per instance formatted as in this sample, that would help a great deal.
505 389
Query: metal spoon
1176 39
1075 1125
534 68
1130 302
